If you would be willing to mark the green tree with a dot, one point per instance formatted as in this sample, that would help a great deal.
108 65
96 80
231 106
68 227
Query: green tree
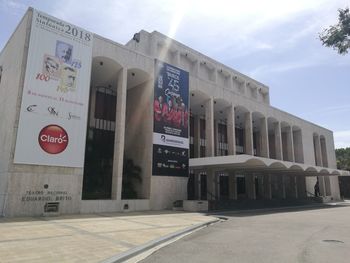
343 158
131 176
338 36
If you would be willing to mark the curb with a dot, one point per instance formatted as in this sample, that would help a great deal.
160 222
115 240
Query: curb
151 244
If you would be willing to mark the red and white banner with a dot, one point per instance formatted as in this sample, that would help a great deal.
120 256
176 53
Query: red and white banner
54 109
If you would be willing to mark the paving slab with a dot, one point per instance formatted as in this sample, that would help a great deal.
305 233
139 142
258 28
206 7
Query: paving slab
88 238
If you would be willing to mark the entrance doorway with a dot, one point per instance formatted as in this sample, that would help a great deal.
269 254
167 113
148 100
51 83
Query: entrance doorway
204 187
241 188
191 187
98 168
224 187
101 127
257 187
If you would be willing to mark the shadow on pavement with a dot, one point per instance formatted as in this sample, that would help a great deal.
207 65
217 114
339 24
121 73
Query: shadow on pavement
274 210
97 216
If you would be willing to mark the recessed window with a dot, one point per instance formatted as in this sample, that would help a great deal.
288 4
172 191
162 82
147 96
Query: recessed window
105 106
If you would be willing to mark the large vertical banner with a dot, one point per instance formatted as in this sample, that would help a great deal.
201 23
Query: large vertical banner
53 114
170 130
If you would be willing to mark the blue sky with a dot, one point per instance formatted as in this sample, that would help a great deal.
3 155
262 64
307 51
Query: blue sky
275 42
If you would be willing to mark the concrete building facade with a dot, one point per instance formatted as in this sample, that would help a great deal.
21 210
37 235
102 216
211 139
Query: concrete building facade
240 146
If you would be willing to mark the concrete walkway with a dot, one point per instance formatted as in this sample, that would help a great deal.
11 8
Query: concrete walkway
87 238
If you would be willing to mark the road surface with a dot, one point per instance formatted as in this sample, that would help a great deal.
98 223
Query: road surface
310 235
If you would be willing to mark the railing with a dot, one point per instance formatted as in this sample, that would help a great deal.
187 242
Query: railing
211 196
314 197
208 196
309 194
239 149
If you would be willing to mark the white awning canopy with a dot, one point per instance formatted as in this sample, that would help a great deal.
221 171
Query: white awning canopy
245 162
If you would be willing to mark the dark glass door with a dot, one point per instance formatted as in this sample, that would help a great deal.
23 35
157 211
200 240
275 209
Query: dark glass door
241 189
204 187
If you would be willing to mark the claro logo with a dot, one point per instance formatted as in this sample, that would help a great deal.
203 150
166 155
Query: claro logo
53 139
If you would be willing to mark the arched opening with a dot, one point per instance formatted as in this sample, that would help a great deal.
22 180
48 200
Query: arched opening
137 133
197 124
323 151
317 149
260 140
287 145
99 151
274 138
298 145
256 163
335 172
296 168
221 132
311 170
277 166
243 130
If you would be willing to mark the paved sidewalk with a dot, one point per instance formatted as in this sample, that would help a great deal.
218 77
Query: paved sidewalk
87 238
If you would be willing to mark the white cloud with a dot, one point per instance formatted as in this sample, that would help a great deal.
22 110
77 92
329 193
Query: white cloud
12 6
119 20
303 59
282 67
339 109
342 139
231 20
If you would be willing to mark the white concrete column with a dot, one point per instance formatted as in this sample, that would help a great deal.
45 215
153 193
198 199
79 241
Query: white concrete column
322 185
248 136
118 157
327 184
278 141
231 133
209 127
264 141
292 144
